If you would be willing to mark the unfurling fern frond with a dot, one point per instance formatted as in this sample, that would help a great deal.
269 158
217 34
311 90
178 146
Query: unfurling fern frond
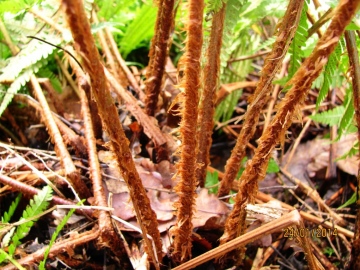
329 71
298 43
330 117
36 206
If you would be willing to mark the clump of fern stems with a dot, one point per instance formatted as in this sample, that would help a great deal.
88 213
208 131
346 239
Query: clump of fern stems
146 217
262 92
300 85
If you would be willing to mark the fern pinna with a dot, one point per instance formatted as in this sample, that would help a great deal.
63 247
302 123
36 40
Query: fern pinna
20 67
36 206
329 71
298 43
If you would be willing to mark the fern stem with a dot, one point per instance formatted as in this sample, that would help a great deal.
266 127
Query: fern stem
104 45
130 77
13 48
355 74
187 165
261 95
301 83
70 137
66 161
108 236
158 53
57 248
31 191
146 217
208 98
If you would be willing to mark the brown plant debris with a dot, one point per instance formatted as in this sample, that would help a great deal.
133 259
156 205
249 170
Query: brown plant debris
70 171
108 237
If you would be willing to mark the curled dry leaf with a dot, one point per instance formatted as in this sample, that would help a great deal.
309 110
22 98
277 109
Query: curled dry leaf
313 156
210 212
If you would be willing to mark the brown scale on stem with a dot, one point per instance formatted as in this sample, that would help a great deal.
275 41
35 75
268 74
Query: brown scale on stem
187 165
158 53
207 103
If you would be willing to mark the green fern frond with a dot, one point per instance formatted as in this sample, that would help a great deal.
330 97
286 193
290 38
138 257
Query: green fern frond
56 233
37 205
141 28
214 5
226 108
354 150
346 119
15 6
266 44
20 81
30 55
7 215
329 71
5 256
231 18
330 117
27 62
298 43
44 72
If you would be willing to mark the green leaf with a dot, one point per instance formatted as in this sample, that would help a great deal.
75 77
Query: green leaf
7 215
330 117
12 6
349 202
56 233
140 29
5 256
27 62
101 25
352 152
36 206
298 43
348 115
352 26
273 167
211 180
328 251
214 5
329 71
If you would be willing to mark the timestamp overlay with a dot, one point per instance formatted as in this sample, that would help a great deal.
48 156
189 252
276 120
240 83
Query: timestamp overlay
318 232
